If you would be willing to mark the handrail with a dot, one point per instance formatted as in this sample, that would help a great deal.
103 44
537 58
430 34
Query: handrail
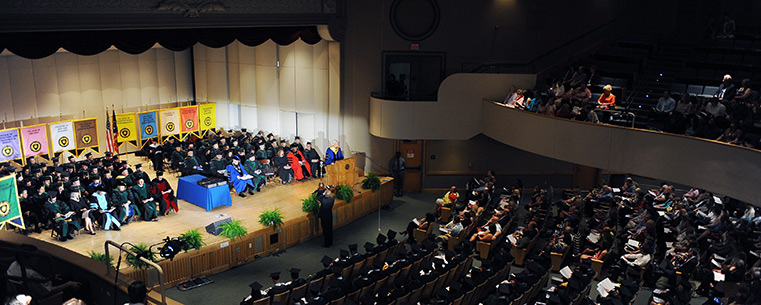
143 259
532 63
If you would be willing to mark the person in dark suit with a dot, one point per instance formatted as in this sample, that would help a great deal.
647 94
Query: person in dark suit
326 217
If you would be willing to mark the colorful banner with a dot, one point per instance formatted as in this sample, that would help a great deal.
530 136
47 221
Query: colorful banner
148 125
10 145
62 136
86 133
189 118
35 140
127 127
169 119
207 114
10 209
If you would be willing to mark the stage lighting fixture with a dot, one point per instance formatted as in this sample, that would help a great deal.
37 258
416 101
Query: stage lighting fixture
171 248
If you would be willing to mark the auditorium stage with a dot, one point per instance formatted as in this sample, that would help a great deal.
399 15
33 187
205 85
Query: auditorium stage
220 253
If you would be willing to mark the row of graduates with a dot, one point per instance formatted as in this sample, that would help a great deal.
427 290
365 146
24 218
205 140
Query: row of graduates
68 210
372 272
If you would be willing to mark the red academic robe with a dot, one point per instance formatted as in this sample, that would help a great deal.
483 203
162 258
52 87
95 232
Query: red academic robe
168 197
298 170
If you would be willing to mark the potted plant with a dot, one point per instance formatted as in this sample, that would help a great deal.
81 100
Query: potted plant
192 240
272 218
102 258
141 250
233 229
345 192
371 182
310 204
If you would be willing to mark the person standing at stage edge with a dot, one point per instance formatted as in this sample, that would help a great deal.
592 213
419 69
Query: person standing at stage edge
333 153
396 165
326 215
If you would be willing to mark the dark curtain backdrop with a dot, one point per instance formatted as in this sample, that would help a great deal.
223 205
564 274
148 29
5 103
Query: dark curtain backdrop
39 45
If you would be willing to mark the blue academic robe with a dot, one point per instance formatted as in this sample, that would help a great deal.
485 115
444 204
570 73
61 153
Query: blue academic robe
331 157
238 184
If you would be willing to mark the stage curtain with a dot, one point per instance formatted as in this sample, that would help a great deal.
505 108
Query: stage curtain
39 45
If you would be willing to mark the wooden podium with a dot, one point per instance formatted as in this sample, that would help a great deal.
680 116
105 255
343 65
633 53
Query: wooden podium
342 172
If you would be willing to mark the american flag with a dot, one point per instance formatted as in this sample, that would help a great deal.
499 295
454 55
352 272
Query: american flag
114 133
110 140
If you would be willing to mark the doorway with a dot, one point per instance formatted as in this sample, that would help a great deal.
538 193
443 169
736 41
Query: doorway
412 152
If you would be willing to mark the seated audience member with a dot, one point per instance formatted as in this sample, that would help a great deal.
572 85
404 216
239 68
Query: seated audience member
255 169
485 235
607 100
451 229
727 90
192 164
39 285
581 94
138 293
418 224
664 107
510 95
449 198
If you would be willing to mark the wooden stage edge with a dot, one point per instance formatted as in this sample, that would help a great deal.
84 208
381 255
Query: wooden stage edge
219 253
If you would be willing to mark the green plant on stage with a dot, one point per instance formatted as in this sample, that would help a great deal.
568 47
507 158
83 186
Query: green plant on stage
142 251
371 182
344 192
102 258
310 204
192 240
271 218
233 229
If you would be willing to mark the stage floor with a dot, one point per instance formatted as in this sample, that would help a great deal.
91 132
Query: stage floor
247 210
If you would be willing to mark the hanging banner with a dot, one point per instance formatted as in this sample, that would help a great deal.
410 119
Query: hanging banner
207 115
127 127
86 133
62 136
148 126
10 209
169 119
35 140
189 118
10 145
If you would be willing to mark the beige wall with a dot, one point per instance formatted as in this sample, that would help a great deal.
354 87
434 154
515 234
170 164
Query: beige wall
68 86
252 91
454 116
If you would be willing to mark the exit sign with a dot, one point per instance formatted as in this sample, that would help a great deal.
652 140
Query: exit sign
414 46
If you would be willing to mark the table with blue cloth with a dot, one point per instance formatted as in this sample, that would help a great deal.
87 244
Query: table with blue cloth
207 198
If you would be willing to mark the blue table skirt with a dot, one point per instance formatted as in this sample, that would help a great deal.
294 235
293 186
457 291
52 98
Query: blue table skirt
190 191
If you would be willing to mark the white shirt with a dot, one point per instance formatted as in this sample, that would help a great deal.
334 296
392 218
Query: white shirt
38 289
665 104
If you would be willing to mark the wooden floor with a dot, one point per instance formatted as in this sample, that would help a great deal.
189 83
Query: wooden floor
247 210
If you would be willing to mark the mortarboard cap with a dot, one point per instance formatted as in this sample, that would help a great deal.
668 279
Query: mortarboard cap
138 166
108 154
381 239
159 173
343 253
87 155
275 275
336 270
353 247
391 257
255 286
402 251
391 234
554 298
369 247
326 261
295 271
399 281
